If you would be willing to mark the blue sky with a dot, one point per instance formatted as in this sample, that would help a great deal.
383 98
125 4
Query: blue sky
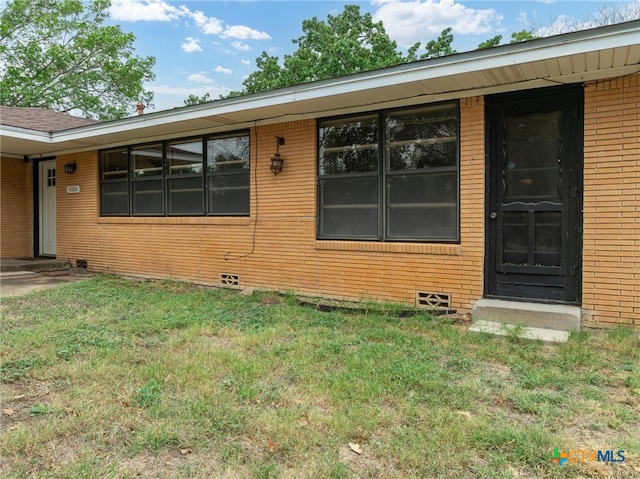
210 46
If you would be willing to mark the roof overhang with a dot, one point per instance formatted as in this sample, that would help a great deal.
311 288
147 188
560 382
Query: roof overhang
604 52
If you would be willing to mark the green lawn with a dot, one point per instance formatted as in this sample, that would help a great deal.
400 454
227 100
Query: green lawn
115 378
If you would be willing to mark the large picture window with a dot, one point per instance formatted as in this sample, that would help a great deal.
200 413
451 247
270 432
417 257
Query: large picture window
197 176
390 175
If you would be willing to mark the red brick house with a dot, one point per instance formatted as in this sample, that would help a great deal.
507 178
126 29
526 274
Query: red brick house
511 173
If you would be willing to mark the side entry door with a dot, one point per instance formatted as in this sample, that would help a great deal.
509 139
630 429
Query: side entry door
534 163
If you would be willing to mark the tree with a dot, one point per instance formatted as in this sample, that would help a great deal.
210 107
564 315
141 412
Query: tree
522 36
440 46
492 42
346 43
195 100
57 54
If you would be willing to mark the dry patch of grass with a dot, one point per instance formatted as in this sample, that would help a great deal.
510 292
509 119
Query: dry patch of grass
121 379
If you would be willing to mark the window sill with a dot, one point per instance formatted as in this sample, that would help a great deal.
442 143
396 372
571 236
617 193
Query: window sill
176 220
382 247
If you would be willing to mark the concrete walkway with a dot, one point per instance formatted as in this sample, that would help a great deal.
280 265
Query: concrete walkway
22 282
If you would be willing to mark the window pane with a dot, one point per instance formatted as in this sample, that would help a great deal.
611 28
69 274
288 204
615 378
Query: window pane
349 207
147 197
114 198
225 154
423 206
547 244
515 238
185 158
147 160
349 146
425 138
185 195
229 194
114 164
532 165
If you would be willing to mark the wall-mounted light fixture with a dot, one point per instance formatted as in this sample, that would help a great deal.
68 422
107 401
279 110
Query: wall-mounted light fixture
70 167
276 159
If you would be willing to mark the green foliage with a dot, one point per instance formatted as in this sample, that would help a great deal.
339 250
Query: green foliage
522 36
58 55
346 43
17 369
492 42
148 395
441 46
196 100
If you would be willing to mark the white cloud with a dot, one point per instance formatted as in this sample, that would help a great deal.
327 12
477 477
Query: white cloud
199 78
246 62
221 69
242 32
191 45
208 25
143 10
243 47
161 10
408 22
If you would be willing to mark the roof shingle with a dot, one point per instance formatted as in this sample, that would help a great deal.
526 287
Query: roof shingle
40 119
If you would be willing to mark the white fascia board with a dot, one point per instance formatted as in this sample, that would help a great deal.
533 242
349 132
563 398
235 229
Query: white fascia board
507 55
25 134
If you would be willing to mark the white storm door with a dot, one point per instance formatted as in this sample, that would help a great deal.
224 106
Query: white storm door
47 207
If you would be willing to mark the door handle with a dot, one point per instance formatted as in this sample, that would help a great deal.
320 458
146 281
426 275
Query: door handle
493 215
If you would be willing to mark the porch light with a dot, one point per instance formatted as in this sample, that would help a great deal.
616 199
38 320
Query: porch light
276 159
70 167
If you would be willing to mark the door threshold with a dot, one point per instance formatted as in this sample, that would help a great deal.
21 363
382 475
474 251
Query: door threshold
558 317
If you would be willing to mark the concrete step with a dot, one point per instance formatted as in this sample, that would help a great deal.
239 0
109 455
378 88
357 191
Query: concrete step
36 265
547 336
535 315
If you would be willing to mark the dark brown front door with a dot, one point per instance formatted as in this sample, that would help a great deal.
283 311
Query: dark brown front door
534 164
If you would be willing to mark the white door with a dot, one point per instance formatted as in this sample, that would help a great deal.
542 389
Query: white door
47 207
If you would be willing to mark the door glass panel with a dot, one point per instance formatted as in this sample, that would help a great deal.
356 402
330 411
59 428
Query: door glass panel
515 238
532 147
547 242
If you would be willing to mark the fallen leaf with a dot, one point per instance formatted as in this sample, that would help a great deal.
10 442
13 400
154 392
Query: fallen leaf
355 447
186 450
22 396
464 413
8 412
501 400
272 446
513 471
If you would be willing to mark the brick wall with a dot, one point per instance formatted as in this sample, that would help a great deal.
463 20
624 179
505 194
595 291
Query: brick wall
16 205
611 261
276 246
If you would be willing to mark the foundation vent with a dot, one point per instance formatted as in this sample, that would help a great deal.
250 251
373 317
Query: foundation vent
431 300
227 279
82 263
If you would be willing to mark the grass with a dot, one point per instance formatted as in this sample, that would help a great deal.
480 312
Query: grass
117 378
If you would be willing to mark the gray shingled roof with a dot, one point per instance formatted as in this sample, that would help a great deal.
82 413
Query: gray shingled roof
40 119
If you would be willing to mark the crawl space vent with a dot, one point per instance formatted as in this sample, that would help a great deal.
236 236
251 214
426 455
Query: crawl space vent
227 279
431 300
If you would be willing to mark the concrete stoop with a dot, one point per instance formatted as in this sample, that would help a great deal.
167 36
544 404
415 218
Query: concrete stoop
36 265
547 336
550 323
